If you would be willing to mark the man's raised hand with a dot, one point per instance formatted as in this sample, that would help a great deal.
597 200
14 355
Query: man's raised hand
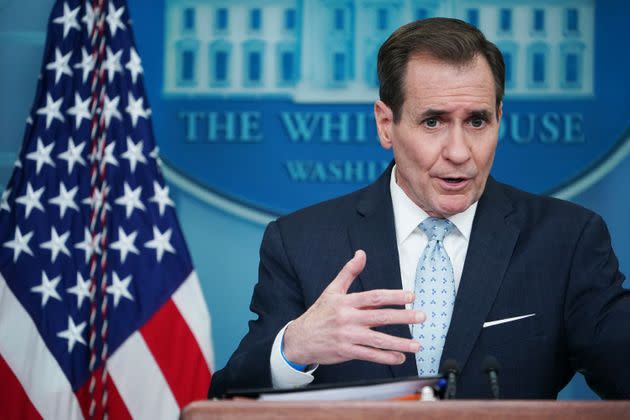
337 327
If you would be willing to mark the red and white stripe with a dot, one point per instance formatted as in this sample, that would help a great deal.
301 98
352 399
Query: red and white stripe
98 131
153 374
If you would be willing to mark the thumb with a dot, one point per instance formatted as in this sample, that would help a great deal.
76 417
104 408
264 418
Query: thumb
349 272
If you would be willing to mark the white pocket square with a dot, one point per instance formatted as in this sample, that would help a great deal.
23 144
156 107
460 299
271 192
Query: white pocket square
504 320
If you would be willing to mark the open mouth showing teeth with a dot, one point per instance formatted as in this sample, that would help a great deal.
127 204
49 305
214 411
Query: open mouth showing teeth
453 180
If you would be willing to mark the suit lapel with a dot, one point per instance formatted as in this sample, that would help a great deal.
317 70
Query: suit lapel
489 251
374 232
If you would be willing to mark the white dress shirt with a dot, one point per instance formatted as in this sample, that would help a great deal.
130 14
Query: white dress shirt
411 241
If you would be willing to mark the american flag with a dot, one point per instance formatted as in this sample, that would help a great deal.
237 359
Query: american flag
101 312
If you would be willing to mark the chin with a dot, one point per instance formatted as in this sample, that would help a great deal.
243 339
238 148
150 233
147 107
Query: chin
453 206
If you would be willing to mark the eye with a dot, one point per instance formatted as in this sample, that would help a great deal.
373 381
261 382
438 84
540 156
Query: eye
477 122
431 122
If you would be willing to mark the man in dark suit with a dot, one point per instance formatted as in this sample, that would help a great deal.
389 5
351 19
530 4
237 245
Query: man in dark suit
436 260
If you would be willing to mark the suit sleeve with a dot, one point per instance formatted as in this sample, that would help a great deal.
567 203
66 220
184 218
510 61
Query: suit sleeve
597 314
277 299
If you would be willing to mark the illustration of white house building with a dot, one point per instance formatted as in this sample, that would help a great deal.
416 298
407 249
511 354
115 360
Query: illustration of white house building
325 50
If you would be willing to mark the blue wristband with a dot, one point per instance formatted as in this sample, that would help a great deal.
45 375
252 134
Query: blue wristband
295 366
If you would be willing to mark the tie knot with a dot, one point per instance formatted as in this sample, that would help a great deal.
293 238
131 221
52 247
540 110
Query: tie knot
436 229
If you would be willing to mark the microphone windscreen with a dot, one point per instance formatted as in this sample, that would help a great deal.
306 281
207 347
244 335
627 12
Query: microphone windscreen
450 365
490 363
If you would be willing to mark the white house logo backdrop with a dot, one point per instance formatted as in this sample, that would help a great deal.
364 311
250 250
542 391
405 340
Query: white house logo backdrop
267 106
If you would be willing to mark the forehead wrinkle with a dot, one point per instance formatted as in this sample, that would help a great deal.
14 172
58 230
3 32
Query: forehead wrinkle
436 110
421 101
464 92
464 89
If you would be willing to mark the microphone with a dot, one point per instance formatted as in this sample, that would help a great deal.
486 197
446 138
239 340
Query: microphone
491 368
450 370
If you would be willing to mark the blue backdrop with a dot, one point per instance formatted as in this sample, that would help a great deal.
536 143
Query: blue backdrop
245 139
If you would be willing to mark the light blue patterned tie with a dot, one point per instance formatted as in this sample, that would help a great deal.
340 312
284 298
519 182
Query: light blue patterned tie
435 296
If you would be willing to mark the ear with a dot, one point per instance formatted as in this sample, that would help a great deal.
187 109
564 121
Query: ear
500 112
384 121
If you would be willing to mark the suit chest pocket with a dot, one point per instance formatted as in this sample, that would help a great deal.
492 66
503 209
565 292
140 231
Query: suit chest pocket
513 328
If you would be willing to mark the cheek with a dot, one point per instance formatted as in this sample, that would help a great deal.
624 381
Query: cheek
424 154
421 165
484 156
416 152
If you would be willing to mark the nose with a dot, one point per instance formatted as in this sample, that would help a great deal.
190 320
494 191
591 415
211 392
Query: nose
456 148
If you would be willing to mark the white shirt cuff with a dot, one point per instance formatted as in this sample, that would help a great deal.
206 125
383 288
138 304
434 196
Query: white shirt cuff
282 374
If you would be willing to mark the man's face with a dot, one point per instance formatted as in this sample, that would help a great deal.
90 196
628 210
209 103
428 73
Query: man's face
445 140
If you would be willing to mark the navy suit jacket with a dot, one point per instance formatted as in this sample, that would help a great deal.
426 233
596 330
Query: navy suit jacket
527 255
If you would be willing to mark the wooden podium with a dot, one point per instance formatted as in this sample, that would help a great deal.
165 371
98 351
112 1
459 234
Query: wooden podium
394 410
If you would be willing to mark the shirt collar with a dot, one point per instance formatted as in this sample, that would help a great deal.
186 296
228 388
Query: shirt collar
407 214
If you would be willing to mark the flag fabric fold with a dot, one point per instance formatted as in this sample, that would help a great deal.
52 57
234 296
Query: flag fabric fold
101 311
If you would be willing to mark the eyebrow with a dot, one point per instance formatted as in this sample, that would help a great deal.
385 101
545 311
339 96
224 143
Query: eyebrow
481 114
434 113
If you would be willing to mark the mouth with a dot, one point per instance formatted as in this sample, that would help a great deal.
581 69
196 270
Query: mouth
453 180
454 183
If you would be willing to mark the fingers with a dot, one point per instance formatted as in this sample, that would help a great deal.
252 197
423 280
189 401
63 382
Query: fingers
378 317
348 273
379 340
378 356
379 298
382 348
